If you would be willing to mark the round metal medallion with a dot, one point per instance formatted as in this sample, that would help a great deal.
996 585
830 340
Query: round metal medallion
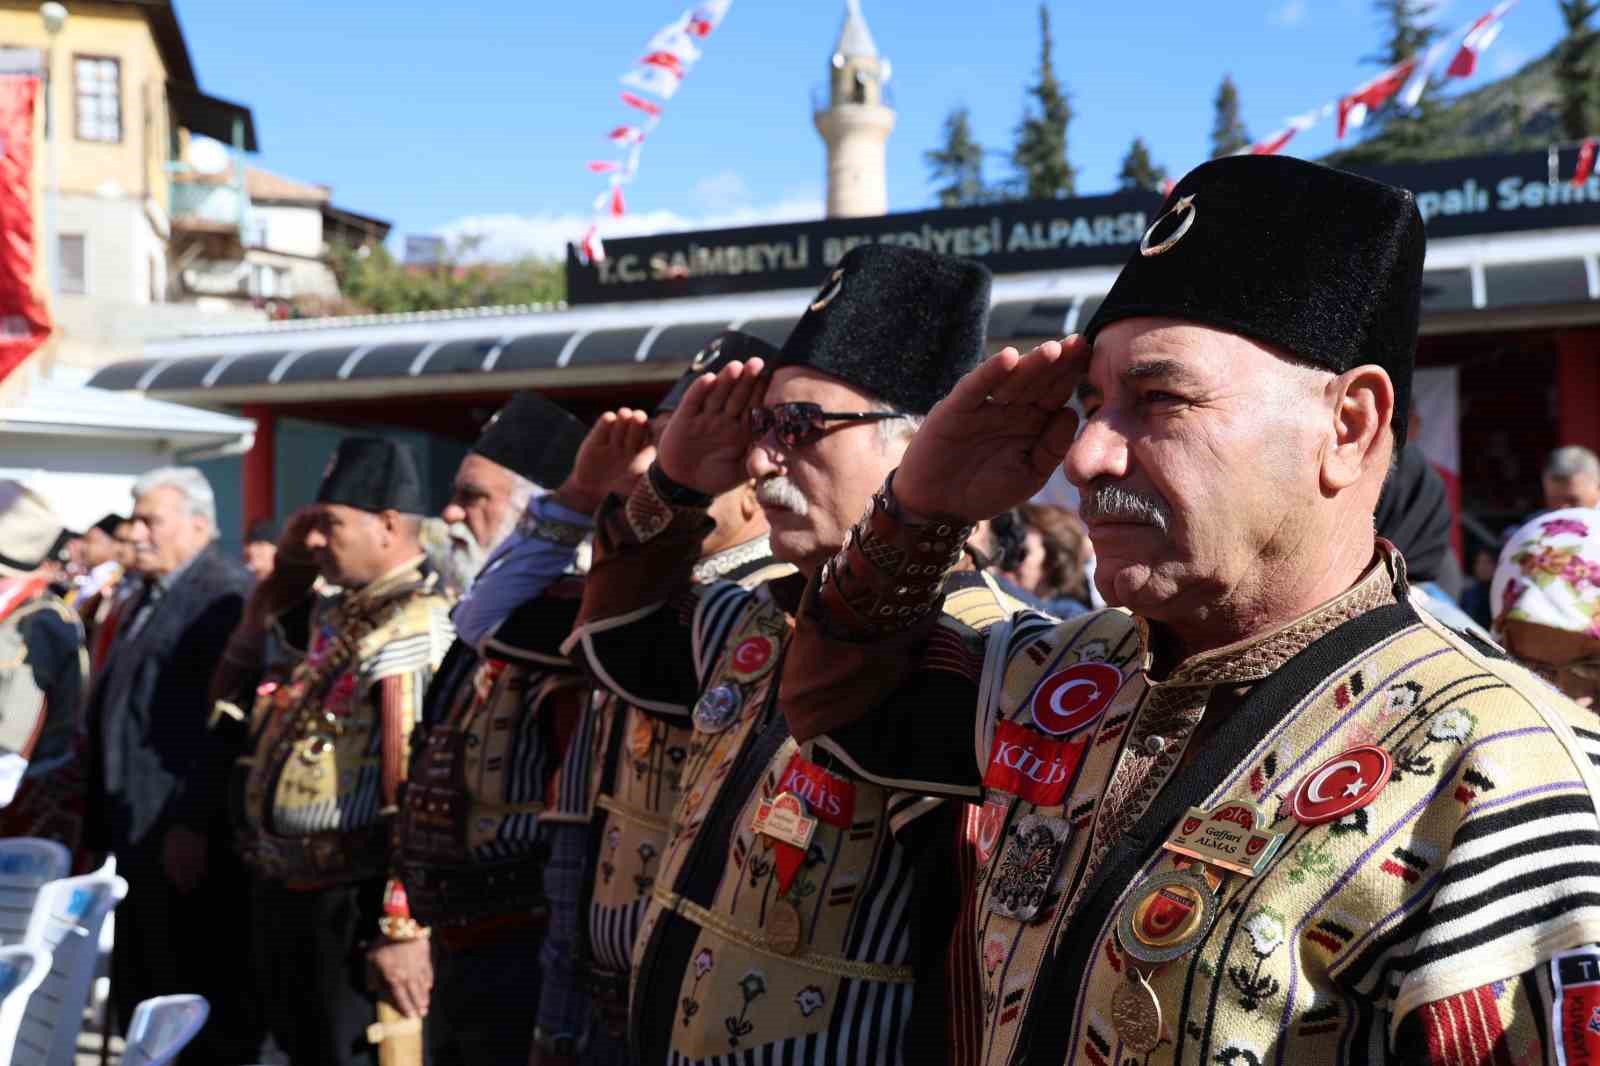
718 708
784 927
752 658
1136 1013
1167 916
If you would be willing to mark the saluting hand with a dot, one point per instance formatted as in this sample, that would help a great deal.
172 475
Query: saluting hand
705 445
996 439
615 452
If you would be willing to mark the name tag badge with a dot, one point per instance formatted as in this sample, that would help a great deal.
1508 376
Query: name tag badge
1231 836
1024 763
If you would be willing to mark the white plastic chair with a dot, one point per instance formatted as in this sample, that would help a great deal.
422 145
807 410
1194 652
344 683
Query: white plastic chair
27 864
22 968
161 1027
67 922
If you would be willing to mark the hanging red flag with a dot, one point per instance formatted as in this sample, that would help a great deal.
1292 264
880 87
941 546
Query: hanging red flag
666 61
602 166
617 207
626 135
1585 161
1274 144
1479 37
640 103
1353 109
24 318
592 249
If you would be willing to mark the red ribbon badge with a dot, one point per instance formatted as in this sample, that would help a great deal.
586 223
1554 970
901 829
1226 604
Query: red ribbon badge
1034 767
827 797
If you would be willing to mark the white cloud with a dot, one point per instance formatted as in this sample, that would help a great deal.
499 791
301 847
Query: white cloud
1287 14
721 191
509 236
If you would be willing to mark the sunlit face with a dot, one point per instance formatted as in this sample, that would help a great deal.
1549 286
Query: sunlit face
1580 490
128 545
97 548
814 493
348 544
168 535
483 498
1197 461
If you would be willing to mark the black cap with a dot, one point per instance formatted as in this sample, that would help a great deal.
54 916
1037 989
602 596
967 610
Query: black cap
373 474
1323 264
534 438
719 351
108 525
899 323
262 531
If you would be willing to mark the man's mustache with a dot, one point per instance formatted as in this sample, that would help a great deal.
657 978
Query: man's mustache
779 491
1108 502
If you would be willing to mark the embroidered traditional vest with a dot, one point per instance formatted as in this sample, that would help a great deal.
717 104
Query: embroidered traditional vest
837 983
311 797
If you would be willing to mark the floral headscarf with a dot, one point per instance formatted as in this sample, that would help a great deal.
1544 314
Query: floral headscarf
1549 573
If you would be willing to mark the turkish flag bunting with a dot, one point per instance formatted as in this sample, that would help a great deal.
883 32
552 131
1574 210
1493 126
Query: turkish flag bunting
1478 38
602 166
1274 144
1585 161
626 135
666 61
24 318
1372 95
618 209
591 246
641 104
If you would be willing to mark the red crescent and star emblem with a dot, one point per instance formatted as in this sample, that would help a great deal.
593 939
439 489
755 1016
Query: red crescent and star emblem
751 657
1345 783
991 820
1071 699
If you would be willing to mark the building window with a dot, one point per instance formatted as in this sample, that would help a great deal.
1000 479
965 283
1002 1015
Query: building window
72 251
97 90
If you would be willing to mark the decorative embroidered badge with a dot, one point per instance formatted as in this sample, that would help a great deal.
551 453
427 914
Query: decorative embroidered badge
1028 868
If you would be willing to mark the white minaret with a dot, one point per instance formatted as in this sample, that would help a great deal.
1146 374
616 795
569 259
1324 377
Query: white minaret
857 122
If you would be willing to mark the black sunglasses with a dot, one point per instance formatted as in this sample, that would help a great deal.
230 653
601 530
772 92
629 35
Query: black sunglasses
798 424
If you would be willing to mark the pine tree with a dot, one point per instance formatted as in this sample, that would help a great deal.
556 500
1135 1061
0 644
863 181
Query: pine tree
1228 134
1575 73
1406 34
1040 154
1139 171
957 163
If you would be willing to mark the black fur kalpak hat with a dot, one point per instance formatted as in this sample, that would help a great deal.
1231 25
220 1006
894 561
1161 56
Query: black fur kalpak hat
719 351
1323 264
900 323
533 438
373 474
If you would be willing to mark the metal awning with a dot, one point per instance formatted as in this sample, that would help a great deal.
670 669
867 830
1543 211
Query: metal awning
213 116
441 353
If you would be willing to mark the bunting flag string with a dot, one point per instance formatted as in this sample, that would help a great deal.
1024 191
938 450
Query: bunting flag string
668 57
1403 83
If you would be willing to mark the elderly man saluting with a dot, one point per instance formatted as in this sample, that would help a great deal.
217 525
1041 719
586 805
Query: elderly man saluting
1267 812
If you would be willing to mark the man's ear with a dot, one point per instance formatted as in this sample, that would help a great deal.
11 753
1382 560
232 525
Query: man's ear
1362 407
749 506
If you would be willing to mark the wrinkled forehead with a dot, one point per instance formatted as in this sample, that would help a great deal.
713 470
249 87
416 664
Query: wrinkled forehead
1180 352
801 384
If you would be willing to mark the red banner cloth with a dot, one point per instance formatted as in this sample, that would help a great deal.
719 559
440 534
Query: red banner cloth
24 318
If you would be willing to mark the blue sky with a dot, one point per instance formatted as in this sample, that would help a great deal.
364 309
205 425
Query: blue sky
479 115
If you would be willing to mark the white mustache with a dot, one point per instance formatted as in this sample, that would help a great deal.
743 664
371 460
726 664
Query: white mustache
1114 502
782 493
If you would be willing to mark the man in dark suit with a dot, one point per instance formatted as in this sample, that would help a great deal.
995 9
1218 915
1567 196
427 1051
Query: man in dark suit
156 776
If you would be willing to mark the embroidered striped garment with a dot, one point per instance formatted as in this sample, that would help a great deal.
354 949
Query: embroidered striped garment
349 781
1416 929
